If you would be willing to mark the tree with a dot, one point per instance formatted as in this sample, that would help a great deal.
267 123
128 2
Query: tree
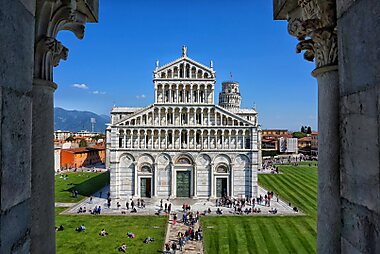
302 129
70 139
82 143
298 134
308 130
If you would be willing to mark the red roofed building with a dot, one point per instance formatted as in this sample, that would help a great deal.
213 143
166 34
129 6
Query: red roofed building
82 156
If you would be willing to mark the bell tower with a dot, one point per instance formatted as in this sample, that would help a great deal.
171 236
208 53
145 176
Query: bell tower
229 97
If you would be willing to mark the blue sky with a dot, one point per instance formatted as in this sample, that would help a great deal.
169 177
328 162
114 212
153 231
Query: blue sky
113 64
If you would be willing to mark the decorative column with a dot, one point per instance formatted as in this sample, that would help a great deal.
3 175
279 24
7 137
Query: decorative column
155 169
232 179
51 17
211 180
177 94
173 181
313 22
195 175
191 94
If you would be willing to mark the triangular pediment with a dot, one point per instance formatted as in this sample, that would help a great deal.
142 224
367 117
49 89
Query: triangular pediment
185 63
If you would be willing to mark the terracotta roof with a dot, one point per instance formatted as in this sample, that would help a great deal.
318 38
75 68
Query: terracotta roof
305 139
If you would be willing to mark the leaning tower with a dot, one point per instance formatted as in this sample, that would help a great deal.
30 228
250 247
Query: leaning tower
229 97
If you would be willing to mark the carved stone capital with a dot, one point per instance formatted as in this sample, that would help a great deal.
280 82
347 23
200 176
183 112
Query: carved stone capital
53 16
313 23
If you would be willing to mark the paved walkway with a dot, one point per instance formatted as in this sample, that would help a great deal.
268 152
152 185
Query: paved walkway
152 206
60 204
191 247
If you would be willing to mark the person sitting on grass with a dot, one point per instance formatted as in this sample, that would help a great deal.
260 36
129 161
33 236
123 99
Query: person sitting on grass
123 248
60 228
81 228
148 239
103 232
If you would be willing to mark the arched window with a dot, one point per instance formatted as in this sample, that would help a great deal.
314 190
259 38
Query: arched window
181 71
205 75
146 169
163 75
175 72
193 74
184 160
222 168
187 71
169 73
199 75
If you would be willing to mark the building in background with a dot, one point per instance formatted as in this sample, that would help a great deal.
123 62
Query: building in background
82 156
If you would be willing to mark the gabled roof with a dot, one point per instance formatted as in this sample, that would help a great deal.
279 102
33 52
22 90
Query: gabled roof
185 59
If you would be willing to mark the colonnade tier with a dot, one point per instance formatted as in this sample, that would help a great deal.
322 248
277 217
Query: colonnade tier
188 139
184 70
184 93
185 116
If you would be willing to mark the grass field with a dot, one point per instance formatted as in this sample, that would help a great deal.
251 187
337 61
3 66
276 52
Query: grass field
85 183
259 234
69 241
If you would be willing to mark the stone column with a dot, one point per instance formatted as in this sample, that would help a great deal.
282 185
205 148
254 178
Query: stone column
155 169
211 180
43 212
313 23
195 175
232 179
51 17
173 181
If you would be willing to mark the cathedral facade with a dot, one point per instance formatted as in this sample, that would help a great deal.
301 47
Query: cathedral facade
184 145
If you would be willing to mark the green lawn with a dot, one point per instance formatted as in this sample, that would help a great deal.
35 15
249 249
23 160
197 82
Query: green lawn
70 241
261 234
85 183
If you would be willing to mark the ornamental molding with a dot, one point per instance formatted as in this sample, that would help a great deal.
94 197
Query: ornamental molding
313 23
53 16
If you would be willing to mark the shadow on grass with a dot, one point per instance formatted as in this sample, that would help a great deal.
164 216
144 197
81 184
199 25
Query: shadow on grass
92 185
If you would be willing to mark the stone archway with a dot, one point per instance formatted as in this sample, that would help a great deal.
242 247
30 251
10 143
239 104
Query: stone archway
184 176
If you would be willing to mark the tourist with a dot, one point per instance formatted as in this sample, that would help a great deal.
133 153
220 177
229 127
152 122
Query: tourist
100 194
161 203
90 200
167 248
174 219
181 243
174 247
127 205
134 210
76 194
123 248
81 228
166 207
132 204
118 205
103 232
60 228
169 208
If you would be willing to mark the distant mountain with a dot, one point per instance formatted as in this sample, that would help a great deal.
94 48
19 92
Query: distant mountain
74 120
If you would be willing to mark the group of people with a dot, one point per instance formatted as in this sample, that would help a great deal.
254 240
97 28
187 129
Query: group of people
74 193
168 208
183 237
189 218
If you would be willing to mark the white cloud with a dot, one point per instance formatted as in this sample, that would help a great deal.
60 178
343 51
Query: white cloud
98 92
141 96
80 86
